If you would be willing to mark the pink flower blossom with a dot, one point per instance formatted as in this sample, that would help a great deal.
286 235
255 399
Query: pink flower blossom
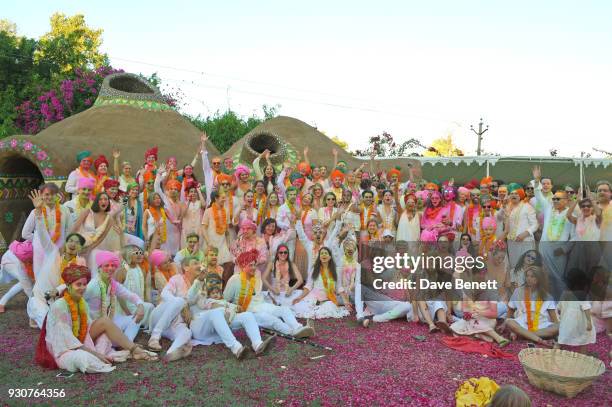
27 146
47 172
41 155
13 143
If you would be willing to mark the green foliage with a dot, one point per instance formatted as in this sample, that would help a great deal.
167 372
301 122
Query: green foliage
71 44
224 129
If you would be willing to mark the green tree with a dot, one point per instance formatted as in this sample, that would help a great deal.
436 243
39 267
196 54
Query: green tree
8 26
71 44
224 129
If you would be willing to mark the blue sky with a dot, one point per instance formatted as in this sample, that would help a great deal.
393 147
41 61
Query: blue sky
538 72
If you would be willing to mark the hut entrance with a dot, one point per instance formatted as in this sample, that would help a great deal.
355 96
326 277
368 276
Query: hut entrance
18 176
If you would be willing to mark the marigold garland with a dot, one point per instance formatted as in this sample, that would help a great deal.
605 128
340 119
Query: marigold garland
368 215
532 324
246 290
220 218
330 285
261 205
78 314
157 215
58 222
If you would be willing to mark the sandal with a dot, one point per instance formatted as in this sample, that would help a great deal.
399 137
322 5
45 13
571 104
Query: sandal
433 329
366 321
144 355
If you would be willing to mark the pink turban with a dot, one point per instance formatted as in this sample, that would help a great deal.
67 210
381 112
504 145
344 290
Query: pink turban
105 257
247 224
22 250
489 222
422 195
85 182
158 257
463 190
241 169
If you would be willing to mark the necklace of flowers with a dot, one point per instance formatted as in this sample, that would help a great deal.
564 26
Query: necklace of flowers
261 205
78 315
160 213
349 267
556 226
86 174
230 205
329 284
246 290
220 218
486 244
532 324
108 309
57 231
387 217
367 216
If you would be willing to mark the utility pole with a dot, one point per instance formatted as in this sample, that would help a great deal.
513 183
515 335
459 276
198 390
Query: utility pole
479 133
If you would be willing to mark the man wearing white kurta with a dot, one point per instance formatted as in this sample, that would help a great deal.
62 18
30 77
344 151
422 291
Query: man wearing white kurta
245 290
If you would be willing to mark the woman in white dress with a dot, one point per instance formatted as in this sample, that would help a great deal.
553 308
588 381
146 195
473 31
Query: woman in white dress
69 340
279 275
100 229
192 212
319 298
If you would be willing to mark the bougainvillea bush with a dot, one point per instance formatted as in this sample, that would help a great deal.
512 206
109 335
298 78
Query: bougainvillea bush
69 97
384 365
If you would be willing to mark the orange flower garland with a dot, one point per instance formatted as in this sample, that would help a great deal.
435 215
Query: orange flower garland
58 222
157 215
330 285
246 290
260 210
79 328
367 217
220 218
532 324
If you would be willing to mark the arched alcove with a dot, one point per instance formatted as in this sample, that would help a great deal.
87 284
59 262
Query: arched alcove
18 176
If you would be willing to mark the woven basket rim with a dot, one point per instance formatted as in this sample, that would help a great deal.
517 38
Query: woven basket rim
526 352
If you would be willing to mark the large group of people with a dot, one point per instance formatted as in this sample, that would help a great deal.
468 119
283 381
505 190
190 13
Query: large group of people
263 246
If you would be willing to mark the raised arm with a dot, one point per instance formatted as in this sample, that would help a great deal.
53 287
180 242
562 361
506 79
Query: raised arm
116 155
570 212
209 178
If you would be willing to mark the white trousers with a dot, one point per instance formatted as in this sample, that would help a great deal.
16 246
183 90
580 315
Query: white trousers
166 321
211 324
13 291
280 319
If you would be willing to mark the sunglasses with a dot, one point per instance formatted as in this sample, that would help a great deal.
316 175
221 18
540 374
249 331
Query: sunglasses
225 184
529 189
216 163
556 199
138 253
586 206
330 199
487 206
570 192
531 256
283 252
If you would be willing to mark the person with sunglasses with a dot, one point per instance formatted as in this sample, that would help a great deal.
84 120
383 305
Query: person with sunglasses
279 275
135 275
556 232
326 213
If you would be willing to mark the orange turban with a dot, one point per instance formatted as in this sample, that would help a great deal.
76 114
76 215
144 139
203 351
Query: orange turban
486 181
173 184
431 185
392 172
337 174
224 178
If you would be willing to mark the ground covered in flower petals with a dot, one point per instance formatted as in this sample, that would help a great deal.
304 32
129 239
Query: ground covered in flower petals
381 366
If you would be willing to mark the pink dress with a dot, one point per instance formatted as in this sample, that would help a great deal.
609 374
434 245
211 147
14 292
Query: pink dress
192 220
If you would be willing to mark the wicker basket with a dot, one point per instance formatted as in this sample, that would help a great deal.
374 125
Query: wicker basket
560 371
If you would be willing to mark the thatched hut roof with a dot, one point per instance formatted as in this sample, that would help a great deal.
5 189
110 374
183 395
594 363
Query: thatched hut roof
296 135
